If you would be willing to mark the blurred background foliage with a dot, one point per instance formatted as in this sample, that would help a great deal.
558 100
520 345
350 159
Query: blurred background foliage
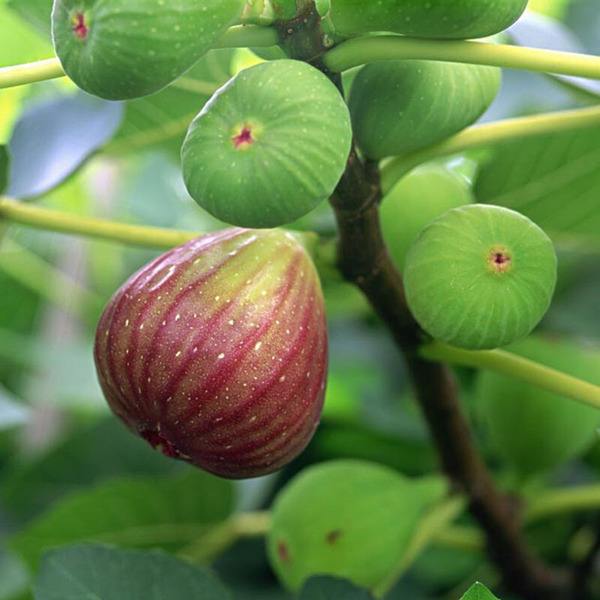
69 472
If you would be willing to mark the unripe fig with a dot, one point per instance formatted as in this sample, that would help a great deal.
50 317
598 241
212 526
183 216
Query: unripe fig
347 518
531 429
269 146
416 200
216 352
402 106
480 276
120 49
443 19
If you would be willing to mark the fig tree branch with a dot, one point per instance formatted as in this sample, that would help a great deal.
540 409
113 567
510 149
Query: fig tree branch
488 134
360 51
51 220
518 367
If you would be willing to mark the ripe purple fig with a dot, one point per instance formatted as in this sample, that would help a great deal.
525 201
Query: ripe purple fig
216 352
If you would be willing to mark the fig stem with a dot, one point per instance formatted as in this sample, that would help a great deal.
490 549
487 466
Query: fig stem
481 136
362 50
51 220
239 36
217 539
518 367
41 70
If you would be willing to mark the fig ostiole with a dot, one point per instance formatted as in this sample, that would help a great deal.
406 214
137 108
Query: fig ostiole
269 146
216 352
441 19
402 106
122 49
480 276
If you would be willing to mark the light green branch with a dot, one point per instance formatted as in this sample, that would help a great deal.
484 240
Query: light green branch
517 367
488 134
360 51
42 70
240 36
42 218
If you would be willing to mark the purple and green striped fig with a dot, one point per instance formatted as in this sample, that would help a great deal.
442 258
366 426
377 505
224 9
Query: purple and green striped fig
216 352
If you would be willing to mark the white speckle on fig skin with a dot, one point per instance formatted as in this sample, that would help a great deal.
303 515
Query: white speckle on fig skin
217 400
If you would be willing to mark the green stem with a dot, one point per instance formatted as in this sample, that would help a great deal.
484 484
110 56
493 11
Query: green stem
240 36
585 497
485 135
360 51
42 70
518 367
42 218
219 538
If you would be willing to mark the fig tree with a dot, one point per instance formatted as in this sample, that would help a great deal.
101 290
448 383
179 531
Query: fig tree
216 352
120 49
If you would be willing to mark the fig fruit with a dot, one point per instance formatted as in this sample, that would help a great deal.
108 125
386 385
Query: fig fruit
347 518
480 276
531 429
269 146
402 106
415 201
442 19
216 352
121 49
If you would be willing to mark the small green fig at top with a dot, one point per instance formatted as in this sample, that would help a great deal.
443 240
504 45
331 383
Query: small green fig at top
438 19
122 49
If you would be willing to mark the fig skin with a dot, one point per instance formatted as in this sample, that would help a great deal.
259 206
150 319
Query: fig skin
216 352
437 19
122 49
401 106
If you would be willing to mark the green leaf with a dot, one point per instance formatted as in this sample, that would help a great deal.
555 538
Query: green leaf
332 588
92 571
53 138
19 42
166 513
478 591
552 179
84 458
161 120
4 165
350 519
35 12
12 413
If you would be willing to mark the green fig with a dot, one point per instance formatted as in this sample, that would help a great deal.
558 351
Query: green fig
348 518
480 276
534 430
443 19
402 106
415 201
121 49
269 146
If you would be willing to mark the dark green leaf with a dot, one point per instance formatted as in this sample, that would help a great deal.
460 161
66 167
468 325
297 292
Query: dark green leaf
4 166
553 179
478 591
332 588
99 572
84 458
53 138
149 512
